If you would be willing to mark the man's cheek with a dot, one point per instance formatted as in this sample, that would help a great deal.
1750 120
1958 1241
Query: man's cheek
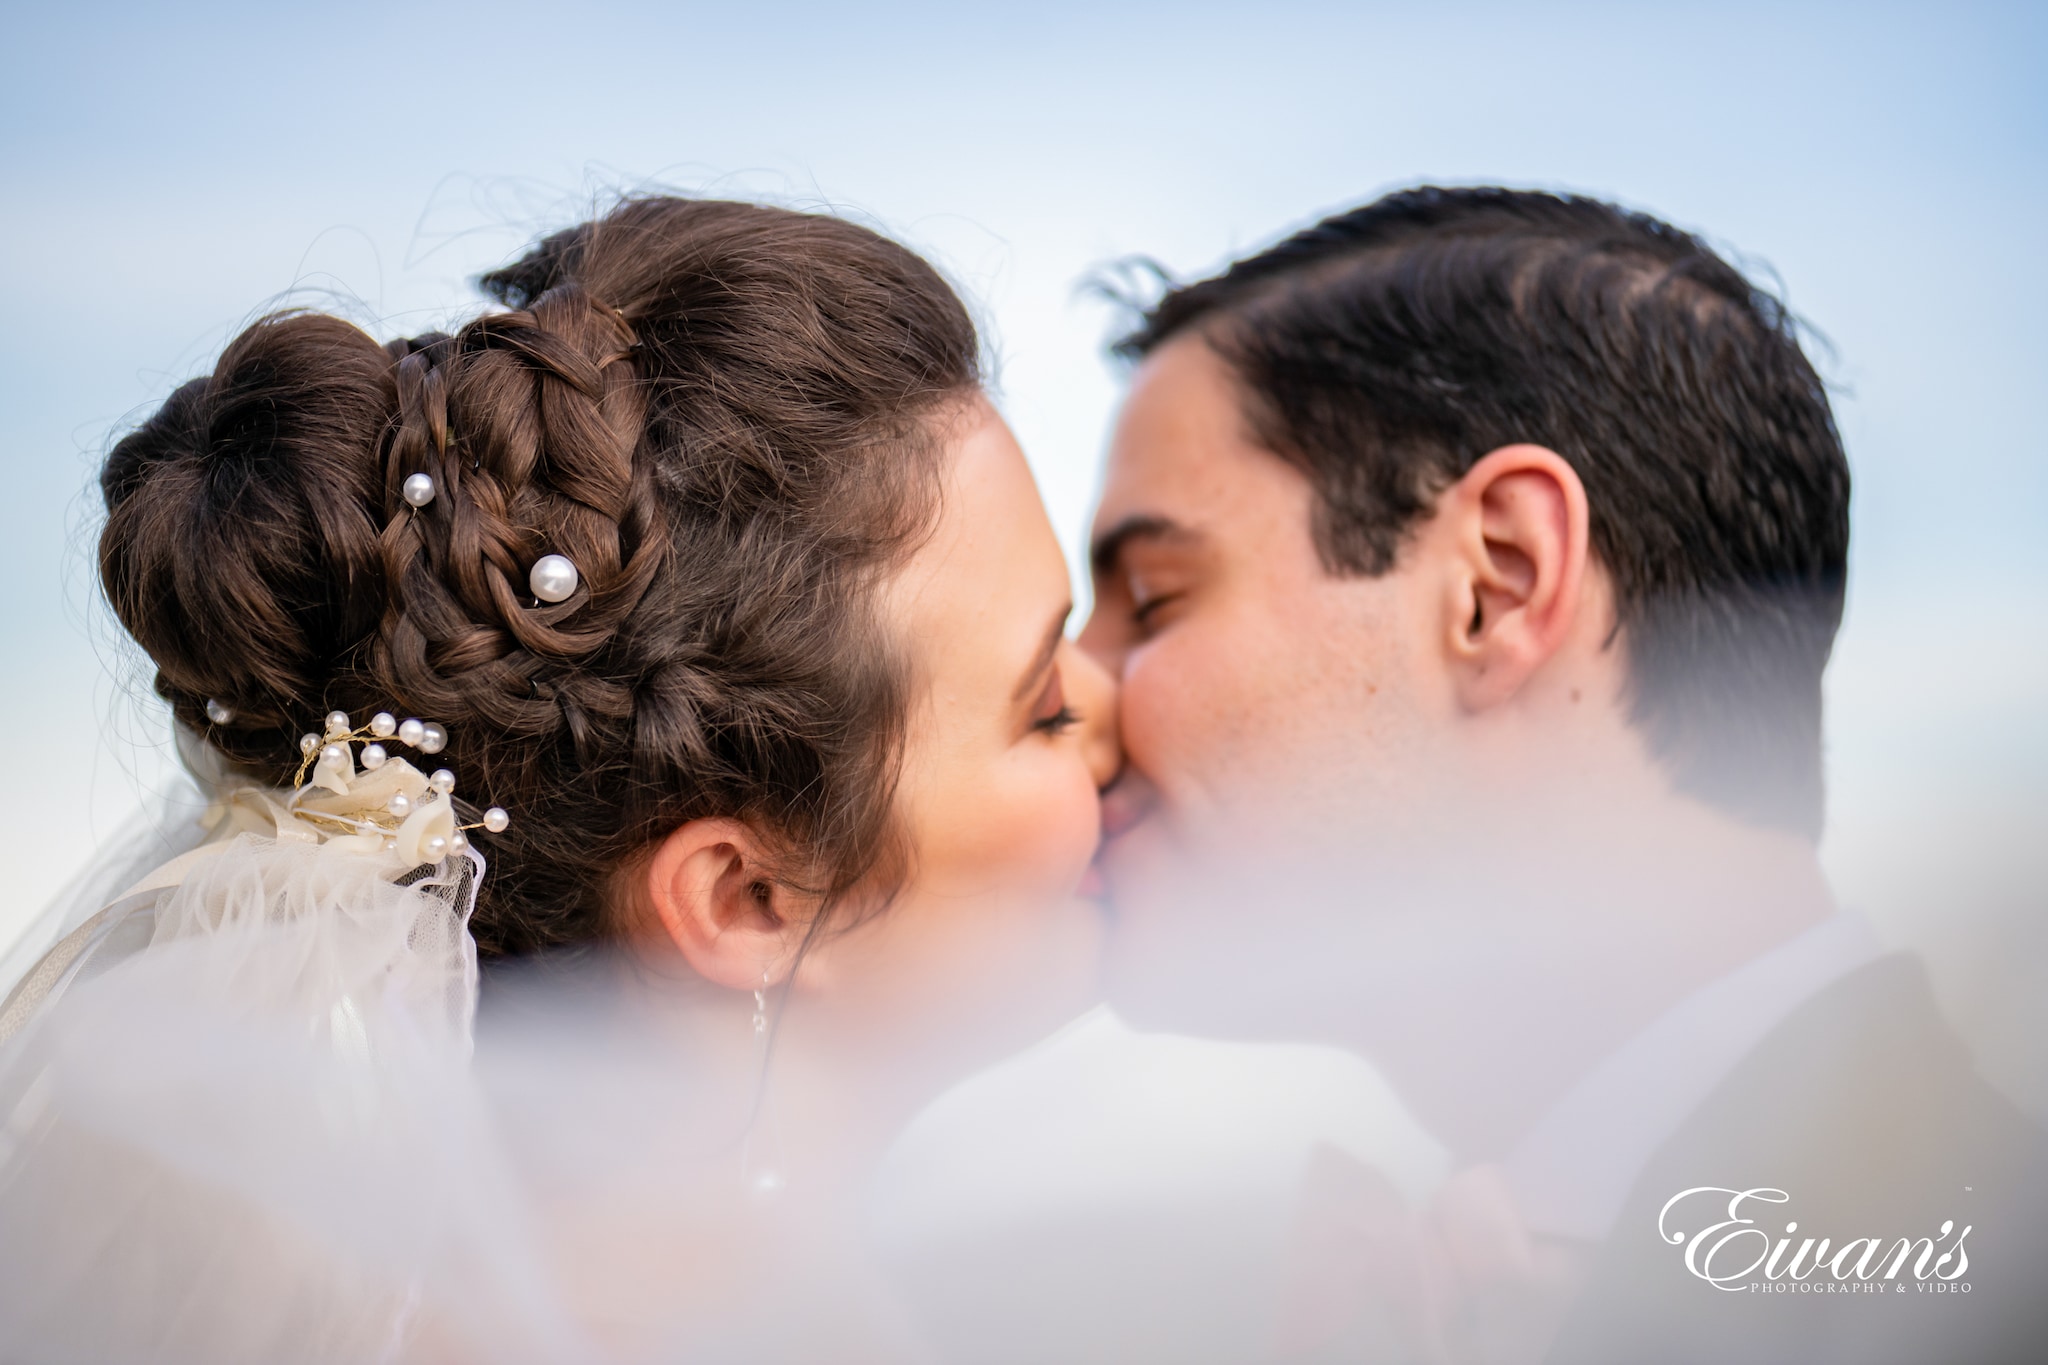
1182 710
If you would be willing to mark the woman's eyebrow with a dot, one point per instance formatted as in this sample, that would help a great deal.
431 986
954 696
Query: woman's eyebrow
1042 660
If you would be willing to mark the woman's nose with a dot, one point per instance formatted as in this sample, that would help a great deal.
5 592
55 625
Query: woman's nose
1092 692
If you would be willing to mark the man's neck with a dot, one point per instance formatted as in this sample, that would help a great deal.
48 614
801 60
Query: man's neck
1492 983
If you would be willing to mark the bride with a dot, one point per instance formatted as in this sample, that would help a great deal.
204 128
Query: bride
684 641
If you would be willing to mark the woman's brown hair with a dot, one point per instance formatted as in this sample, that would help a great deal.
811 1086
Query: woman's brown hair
727 416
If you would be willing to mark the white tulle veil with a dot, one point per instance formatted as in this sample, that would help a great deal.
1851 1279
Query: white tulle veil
236 1116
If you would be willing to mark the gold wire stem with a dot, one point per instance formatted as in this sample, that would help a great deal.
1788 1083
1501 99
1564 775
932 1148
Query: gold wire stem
361 734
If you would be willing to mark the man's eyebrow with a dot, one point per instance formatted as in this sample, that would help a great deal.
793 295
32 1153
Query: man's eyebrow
1109 546
1043 658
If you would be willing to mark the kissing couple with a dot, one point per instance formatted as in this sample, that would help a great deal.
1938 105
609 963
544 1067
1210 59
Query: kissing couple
644 760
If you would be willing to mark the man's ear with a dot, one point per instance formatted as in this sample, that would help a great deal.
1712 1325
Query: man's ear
1520 536
712 892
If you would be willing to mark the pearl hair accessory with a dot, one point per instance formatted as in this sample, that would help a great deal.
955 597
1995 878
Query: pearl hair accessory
553 578
387 800
218 714
418 489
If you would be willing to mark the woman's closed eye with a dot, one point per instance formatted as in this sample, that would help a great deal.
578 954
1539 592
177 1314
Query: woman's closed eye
1051 715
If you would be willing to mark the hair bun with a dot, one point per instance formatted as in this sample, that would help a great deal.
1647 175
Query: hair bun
723 415
241 544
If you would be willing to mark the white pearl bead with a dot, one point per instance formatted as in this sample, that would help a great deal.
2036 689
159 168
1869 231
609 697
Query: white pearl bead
435 847
390 842
308 743
410 732
337 724
433 739
495 819
400 804
419 489
333 756
374 756
382 725
443 781
458 841
553 579
218 714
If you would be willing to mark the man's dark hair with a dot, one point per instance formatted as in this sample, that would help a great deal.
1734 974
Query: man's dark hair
1385 350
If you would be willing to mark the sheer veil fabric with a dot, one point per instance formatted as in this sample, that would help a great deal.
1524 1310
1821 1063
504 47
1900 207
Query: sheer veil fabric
237 1120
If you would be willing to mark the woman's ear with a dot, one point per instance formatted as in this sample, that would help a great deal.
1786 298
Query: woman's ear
1521 532
713 894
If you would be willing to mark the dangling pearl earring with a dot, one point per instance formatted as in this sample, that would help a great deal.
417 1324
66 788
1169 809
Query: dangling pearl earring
759 1169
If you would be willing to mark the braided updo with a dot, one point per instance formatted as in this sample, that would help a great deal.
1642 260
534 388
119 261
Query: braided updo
728 417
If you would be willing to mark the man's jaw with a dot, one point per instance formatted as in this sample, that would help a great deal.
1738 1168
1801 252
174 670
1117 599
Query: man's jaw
1163 965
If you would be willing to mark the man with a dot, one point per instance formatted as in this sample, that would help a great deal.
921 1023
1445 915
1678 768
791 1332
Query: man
1470 562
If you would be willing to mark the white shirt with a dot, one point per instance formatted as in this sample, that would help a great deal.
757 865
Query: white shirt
1573 1171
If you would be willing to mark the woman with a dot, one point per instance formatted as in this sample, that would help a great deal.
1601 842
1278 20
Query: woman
728 604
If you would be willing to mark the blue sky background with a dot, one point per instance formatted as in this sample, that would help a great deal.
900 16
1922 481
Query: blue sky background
172 171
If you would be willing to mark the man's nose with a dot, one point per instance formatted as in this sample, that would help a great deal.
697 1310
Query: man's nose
1101 640
1093 693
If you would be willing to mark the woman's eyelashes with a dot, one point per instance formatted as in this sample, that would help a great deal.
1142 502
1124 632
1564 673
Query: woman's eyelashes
1060 721
1052 715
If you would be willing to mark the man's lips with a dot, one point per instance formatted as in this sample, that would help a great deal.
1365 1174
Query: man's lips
1125 805
1127 802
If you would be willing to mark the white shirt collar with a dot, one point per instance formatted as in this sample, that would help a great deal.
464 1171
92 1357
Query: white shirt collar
1574 1169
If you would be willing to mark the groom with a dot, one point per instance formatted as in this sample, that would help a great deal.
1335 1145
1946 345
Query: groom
1470 561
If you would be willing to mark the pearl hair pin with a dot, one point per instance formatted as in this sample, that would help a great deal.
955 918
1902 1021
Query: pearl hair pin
418 489
553 578
218 714
327 758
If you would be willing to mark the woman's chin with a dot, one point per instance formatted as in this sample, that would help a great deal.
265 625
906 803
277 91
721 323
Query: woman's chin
1092 887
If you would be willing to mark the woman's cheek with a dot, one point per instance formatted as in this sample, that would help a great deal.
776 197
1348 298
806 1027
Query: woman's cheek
1073 826
1030 828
